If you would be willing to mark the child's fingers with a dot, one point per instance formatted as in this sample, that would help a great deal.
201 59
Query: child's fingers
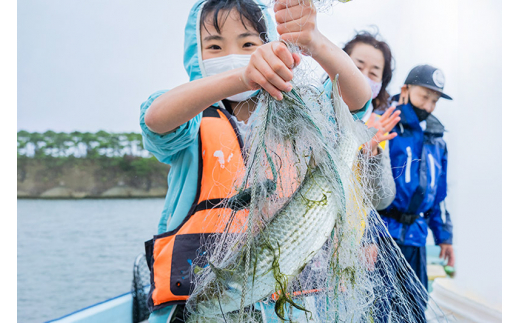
297 59
280 5
280 69
260 59
296 26
297 38
259 79
293 14
284 54
283 4
281 72
270 75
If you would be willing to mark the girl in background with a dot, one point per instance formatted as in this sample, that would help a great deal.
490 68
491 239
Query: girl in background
373 59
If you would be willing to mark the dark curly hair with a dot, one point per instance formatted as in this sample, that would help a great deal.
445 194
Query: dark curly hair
247 9
365 37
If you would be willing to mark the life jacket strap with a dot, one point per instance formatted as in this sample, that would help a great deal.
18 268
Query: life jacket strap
210 204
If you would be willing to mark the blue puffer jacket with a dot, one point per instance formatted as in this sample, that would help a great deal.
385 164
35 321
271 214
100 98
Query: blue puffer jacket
419 161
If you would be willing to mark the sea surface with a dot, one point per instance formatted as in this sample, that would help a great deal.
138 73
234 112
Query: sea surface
75 253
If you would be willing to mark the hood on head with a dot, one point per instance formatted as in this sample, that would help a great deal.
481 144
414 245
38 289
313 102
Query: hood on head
192 48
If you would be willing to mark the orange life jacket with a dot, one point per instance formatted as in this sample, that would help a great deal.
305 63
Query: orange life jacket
171 255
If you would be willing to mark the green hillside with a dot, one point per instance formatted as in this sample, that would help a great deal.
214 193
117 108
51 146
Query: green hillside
87 165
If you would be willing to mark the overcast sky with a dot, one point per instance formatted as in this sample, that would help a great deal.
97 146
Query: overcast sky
88 65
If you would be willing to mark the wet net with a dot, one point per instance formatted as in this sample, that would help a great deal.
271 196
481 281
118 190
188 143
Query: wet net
311 247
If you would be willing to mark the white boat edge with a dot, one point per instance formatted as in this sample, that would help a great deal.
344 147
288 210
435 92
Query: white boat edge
117 310
462 307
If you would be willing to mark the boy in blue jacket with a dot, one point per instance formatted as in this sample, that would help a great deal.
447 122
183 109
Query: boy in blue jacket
419 160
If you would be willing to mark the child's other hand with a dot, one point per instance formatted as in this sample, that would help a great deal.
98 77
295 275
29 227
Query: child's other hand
296 21
271 67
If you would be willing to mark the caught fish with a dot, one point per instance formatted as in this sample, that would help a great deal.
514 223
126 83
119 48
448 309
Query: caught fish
290 239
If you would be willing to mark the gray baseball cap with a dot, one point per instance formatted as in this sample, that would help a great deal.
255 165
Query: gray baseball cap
429 77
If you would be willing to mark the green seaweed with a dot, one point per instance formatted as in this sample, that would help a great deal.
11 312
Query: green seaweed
282 285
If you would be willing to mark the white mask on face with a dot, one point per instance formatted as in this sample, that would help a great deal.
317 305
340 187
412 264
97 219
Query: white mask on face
242 96
217 65
374 86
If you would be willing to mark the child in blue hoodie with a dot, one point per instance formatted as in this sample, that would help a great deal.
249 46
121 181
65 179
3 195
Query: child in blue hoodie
230 52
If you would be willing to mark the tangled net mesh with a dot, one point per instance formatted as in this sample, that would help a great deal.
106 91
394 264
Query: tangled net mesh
299 246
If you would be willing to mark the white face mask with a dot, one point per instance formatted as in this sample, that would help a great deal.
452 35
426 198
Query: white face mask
217 65
374 86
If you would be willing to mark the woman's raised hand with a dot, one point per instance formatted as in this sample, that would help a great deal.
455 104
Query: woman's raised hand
383 125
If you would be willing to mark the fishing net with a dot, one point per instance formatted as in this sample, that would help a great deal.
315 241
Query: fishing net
312 248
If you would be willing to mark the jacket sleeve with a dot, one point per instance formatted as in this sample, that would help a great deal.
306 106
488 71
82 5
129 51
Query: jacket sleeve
165 146
441 227
381 180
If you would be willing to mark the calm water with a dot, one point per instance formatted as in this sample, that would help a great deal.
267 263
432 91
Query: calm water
72 254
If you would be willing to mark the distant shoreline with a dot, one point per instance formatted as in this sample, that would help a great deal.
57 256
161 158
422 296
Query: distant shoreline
103 178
